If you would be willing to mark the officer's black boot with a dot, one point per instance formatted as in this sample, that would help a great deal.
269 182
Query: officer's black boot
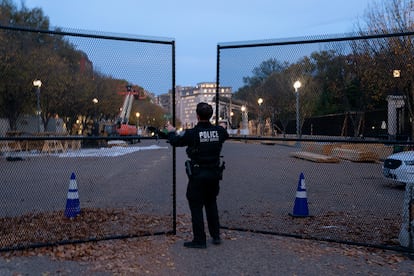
195 244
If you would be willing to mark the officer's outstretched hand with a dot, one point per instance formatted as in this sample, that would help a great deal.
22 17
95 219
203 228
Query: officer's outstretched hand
170 127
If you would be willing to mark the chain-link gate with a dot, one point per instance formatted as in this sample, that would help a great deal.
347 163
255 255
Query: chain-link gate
80 150
325 111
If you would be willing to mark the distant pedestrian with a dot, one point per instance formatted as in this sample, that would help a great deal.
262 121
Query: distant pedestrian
204 143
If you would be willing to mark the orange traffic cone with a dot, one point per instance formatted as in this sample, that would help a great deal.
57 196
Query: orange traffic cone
72 202
301 202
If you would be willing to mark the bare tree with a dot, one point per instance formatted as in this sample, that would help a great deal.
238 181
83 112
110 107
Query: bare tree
394 18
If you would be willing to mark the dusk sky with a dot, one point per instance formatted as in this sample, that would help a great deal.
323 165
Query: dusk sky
198 26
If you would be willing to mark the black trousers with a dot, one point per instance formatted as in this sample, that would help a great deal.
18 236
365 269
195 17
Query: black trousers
203 193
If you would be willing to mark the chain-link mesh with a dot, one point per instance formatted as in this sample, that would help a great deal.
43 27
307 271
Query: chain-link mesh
349 113
346 201
67 176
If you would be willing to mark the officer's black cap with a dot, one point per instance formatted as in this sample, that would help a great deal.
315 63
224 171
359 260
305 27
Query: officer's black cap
204 111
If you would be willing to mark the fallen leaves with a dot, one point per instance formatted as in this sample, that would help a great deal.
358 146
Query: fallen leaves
369 228
92 224
147 254
152 255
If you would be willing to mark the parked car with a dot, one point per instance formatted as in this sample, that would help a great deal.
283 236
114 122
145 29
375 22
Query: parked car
399 167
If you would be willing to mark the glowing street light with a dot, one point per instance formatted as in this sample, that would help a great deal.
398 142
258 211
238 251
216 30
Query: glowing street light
245 121
95 102
137 115
297 85
38 84
260 102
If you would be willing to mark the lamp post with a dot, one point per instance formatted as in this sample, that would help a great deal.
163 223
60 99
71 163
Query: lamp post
137 115
95 102
297 85
260 102
395 102
38 84
245 121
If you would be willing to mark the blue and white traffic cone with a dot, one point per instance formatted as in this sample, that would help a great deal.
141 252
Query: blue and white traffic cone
72 202
301 202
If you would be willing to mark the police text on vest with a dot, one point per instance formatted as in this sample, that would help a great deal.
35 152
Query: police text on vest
209 136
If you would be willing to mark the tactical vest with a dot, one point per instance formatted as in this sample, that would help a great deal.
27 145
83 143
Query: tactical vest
207 144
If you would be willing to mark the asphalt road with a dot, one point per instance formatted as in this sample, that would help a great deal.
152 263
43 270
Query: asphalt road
40 183
264 174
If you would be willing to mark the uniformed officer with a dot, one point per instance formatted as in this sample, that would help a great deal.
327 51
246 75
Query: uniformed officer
204 143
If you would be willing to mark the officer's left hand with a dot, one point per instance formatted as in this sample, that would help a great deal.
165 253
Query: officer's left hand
170 127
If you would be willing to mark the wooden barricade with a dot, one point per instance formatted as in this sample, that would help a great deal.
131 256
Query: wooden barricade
4 146
72 145
33 145
321 148
361 152
44 146
52 146
380 151
9 146
15 145
314 157
355 155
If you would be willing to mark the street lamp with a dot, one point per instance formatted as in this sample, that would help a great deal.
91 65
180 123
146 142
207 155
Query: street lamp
245 121
38 84
137 115
95 101
297 85
260 102
395 102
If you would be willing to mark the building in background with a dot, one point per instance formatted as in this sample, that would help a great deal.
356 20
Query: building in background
187 98
164 100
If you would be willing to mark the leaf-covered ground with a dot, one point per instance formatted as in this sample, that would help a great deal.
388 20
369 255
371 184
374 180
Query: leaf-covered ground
157 255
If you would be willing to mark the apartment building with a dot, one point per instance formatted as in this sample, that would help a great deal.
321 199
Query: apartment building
187 98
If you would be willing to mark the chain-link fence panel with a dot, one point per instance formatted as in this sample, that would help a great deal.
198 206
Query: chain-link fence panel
342 200
297 86
325 111
81 153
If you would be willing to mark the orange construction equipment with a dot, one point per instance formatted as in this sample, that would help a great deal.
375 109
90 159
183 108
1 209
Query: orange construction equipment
123 128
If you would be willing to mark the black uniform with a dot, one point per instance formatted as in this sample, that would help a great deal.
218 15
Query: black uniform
204 143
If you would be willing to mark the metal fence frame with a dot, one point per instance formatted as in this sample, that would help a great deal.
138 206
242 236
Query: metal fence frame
298 140
114 37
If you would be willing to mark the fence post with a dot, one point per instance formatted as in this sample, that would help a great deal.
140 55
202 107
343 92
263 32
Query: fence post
407 227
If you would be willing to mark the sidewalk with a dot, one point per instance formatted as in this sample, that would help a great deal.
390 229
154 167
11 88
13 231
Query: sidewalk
240 254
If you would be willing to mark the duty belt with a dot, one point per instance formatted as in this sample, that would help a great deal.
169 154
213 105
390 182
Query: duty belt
205 165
